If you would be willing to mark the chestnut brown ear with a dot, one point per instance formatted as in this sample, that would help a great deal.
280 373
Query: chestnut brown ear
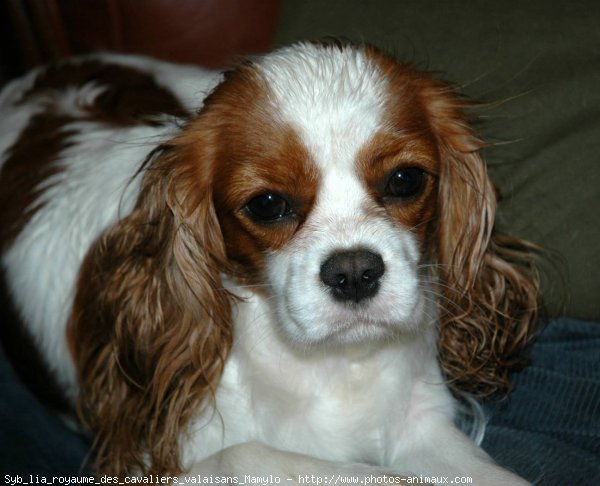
150 328
489 288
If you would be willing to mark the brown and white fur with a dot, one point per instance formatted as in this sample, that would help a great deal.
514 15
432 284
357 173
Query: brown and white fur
280 270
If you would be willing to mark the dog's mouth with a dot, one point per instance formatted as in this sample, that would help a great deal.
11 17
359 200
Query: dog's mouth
362 330
312 316
353 328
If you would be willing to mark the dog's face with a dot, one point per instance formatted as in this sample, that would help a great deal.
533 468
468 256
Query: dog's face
334 183
325 188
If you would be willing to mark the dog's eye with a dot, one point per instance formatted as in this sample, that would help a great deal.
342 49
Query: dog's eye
268 207
405 183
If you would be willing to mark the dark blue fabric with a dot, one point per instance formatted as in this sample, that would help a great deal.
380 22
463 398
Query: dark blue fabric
33 440
548 432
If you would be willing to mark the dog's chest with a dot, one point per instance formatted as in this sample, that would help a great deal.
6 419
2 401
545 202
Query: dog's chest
341 406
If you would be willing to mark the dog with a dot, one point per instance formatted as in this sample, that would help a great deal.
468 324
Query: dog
290 267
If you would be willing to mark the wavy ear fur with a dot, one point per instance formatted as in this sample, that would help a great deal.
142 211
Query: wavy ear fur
150 329
488 284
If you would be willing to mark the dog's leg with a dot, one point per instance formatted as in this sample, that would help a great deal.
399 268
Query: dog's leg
439 449
255 460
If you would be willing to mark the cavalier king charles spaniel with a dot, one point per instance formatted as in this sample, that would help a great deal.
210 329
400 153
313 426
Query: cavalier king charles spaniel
289 268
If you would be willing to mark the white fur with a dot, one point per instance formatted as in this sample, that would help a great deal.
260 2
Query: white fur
311 386
93 190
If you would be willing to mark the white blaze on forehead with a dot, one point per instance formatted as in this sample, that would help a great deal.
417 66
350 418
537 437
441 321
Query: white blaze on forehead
333 97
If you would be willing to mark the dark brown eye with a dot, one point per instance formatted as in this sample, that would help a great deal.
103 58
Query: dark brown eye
405 183
268 207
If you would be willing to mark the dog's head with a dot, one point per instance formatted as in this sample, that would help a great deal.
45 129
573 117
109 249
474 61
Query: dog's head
343 187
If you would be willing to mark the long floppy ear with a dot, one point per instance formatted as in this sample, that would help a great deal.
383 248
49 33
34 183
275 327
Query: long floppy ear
488 284
150 329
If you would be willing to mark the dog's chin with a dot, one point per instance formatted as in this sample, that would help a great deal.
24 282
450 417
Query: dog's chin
343 333
350 324
348 332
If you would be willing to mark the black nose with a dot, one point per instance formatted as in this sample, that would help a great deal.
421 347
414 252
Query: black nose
353 275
